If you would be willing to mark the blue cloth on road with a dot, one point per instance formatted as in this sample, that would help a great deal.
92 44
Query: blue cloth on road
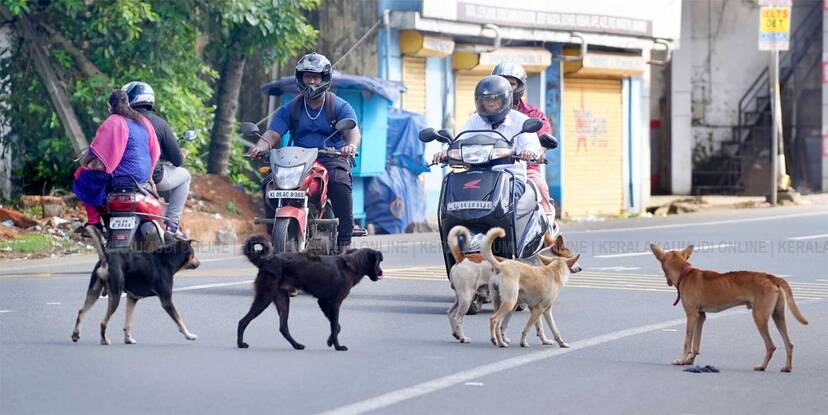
699 369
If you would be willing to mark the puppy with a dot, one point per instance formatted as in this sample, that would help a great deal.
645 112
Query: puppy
328 278
539 286
140 274
703 291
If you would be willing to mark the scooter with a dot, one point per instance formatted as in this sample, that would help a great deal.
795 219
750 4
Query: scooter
134 215
478 197
298 190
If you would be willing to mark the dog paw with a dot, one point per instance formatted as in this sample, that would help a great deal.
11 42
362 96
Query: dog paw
104 342
465 339
759 368
524 344
563 345
129 340
507 341
298 346
678 362
341 348
191 337
330 342
75 337
786 369
547 342
242 345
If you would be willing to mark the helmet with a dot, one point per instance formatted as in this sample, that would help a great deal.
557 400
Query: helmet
139 94
493 88
513 70
316 63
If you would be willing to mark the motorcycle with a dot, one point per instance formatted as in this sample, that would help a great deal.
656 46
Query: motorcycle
134 215
478 197
298 190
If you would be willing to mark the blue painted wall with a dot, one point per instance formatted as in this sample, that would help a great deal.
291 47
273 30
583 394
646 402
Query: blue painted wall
554 83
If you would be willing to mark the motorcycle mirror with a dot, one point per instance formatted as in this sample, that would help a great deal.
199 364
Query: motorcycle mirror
532 125
444 133
189 135
248 129
547 141
428 135
346 124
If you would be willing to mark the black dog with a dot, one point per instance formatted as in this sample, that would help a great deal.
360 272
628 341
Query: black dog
140 274
328 278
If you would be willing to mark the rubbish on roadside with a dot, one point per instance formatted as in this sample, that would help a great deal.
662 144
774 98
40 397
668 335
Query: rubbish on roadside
8 223
699 369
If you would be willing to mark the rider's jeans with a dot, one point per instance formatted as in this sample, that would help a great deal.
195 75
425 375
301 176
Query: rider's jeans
533 173
176 182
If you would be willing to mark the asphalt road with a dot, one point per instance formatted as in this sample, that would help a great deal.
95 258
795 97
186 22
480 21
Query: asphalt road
616 315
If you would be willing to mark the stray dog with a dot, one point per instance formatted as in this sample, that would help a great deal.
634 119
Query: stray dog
702 291
329 278
472 272
140 274
537 286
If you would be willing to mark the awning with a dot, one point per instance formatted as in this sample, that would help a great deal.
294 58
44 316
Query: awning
533 60
605 65
390 90
414 43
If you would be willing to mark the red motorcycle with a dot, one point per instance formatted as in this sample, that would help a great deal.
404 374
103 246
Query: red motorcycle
298 191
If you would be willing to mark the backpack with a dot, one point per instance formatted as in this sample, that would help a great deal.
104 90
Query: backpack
296 107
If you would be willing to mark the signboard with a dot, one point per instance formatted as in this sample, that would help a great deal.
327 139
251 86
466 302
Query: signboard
775 25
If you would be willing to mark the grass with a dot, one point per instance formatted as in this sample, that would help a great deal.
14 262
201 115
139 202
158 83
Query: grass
27 243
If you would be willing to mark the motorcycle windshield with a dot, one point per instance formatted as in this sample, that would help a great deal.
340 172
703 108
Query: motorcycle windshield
293 156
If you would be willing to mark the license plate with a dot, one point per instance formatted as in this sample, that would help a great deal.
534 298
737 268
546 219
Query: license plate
122 223
285 194
468 205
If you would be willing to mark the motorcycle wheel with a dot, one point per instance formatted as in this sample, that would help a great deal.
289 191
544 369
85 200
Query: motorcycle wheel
285 236
476 305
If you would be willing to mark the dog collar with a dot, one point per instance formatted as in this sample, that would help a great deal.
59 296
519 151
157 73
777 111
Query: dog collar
682 274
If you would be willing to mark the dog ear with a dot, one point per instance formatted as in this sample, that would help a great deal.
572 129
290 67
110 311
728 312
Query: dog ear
659 254
559 242
545 259
570 262
686 252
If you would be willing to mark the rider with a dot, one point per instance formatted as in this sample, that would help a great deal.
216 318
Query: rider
169 176
310 118
124 152
516 76
493 99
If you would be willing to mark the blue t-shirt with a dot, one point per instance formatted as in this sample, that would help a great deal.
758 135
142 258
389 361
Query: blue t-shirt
311 133
136 160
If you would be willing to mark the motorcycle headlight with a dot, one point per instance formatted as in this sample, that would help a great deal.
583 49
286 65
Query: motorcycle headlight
288 177
454 154
476 153
500 153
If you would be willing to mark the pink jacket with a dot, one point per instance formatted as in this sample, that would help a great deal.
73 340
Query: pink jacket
532 111
111 139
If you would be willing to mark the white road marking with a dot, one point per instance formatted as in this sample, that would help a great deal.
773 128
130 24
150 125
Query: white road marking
802 238
5 311
822 280
52 303
223 284
699 248
669 329
614 268
473 383
685 225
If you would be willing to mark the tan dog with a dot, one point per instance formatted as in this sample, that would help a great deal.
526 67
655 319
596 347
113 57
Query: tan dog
703 291
537 286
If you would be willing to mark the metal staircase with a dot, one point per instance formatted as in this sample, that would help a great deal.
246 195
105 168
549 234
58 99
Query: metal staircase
726 171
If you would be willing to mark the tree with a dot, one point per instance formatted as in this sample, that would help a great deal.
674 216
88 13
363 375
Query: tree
237 30
95 47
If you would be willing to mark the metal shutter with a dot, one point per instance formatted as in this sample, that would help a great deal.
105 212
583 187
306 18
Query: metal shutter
592 147
464 83
414 78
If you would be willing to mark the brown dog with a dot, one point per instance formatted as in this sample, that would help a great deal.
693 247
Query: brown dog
703 291
537 286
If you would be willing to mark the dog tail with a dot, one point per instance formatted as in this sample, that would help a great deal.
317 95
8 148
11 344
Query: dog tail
453 240
790 300
257 248
486 246
97 242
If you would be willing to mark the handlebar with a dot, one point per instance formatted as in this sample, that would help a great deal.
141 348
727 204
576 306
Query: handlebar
323 151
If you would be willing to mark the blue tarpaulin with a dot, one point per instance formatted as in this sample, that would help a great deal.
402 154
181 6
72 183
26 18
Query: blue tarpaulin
395 199
389 90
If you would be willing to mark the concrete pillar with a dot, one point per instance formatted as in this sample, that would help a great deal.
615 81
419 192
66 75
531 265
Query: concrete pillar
681 135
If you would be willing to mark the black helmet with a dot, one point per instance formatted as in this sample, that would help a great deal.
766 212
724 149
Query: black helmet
316 63
493 88
512 70
139 94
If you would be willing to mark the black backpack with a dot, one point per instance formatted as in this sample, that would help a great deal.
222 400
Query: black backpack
296 106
